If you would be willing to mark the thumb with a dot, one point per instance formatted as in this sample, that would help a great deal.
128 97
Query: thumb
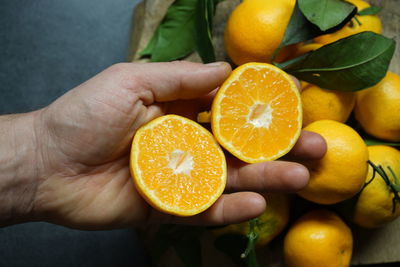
177 80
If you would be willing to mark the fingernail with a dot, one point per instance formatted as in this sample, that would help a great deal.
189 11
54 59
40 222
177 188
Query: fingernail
216 64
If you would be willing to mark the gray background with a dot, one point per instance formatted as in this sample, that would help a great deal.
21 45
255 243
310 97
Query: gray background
48 47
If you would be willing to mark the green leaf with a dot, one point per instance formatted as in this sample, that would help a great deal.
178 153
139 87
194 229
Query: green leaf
350 64
372 10
327 14
203 35
173 38
300 29
373 142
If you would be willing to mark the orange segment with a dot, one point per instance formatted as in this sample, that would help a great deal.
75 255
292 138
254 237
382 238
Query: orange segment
177 165
257 114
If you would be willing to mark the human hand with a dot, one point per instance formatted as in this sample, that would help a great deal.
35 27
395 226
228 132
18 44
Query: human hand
84 139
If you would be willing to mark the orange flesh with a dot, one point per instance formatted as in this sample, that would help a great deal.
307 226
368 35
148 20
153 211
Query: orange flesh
182 169
259 113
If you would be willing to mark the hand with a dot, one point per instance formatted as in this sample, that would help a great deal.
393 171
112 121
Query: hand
84 139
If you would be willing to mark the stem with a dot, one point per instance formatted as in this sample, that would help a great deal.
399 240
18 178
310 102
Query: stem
373 175
250 252
358 21
394 187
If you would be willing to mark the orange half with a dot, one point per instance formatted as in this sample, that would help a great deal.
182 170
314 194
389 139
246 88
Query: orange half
256 114
177 165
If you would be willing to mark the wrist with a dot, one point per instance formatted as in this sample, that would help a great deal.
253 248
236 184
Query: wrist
19 168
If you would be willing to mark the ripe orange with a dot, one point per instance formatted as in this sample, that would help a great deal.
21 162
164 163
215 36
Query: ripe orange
177 165
341 172
318 238
370 23
378 108
255 29
256 114
322 104
375 206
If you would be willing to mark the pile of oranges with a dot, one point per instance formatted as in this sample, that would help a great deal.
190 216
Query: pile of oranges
257 115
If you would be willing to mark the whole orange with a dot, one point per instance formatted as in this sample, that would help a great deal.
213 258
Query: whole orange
255 29
378 108
323 104
318 238
374 206
341 172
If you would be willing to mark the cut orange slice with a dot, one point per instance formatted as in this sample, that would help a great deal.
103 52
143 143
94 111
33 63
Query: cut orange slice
177 165
256 114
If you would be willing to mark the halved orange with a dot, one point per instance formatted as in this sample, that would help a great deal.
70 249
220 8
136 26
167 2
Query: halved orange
256 114
177 165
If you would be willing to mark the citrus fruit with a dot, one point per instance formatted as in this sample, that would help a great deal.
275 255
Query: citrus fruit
318 238
378 108
322 104
370 23
341 172
256 114
375 206
177 166
255 29
269 224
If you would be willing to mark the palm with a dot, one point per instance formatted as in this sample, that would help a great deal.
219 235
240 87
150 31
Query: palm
99 158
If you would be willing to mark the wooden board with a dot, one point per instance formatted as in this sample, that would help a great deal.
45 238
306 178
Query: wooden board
370 246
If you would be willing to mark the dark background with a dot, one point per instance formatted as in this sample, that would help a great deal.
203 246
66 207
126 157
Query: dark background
48 47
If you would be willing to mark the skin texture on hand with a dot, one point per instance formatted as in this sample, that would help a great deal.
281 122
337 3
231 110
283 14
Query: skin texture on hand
82 144
18 168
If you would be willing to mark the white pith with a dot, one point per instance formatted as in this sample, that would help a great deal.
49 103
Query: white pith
180 162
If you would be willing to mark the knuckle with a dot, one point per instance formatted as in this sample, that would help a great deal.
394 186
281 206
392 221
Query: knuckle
125 74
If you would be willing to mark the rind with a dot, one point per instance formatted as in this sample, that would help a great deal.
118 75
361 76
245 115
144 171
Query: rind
144 192
215 111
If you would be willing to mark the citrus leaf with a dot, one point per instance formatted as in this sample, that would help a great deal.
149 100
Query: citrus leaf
350 64
300 29
203 35
373 142
327 14
173 38
372 10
